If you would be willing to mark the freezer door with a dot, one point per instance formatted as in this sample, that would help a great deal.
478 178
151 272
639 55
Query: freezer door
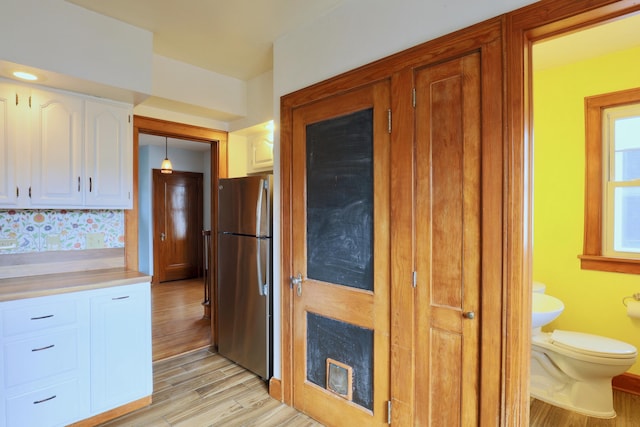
243 301
245 205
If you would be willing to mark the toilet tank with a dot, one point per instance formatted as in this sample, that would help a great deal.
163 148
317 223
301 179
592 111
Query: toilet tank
539 287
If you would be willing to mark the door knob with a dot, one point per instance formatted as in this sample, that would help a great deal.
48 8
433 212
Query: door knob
162 237
469 314
297 282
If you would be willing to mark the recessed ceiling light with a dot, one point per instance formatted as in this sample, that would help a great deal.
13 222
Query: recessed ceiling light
25 76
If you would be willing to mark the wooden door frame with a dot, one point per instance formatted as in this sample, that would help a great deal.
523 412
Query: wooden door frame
485 37
219 169
547 18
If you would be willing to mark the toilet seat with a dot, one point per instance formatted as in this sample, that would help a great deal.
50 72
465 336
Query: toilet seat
586 347
593 345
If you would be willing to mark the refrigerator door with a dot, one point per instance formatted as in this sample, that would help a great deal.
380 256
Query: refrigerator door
245 205
243 301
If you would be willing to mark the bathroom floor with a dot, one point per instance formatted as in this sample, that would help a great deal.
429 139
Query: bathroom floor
627 407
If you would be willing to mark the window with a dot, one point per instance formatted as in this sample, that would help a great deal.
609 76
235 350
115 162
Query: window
612 196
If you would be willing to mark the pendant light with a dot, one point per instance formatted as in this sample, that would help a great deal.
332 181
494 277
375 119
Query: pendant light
166 163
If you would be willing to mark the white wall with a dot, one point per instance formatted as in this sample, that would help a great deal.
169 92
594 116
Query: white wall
61 37
237 155
356 33
259 102
175 80
150 157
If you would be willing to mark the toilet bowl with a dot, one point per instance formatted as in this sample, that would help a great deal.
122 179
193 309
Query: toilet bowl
573 370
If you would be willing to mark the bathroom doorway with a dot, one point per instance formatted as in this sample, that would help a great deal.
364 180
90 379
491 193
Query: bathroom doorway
542 204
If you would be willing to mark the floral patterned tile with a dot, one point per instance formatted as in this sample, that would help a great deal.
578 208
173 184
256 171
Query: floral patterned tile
45 230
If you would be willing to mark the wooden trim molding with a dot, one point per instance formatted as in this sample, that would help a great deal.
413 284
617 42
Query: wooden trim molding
275 388
627 382
113 413
592 258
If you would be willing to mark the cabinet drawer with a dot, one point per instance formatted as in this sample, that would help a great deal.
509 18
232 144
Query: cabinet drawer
38 316
51 406
40 357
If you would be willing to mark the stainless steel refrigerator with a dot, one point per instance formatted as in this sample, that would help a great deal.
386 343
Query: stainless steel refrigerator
245 273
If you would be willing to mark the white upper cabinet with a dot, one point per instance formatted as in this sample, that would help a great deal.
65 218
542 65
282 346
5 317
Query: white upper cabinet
56 150
108 155
14 144
260 145
7 149
61 150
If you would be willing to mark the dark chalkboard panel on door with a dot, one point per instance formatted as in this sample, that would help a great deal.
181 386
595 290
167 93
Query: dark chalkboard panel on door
340 200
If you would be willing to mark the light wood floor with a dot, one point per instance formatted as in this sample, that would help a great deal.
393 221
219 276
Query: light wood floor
178 323
626 405
198 388
204 389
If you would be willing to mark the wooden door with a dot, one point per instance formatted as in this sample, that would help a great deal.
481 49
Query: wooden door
340 215
177 216
447 236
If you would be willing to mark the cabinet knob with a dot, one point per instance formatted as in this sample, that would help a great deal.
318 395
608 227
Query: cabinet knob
469 314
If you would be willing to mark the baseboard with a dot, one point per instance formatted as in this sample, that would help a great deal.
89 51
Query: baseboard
275 389
114 413
629 383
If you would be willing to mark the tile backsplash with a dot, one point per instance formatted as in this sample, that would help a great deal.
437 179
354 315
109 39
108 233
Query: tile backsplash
25 230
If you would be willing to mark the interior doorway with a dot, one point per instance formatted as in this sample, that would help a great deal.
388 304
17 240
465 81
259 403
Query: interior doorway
526 27
217 141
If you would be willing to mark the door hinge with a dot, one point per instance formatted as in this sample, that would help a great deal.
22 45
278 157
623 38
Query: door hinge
389 120
29 101
414 279
413 97
389 412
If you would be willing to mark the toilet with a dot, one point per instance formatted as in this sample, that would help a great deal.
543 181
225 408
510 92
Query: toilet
573 370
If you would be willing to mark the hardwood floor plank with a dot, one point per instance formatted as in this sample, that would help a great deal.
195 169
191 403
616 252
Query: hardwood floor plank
178 322
627 407
201 388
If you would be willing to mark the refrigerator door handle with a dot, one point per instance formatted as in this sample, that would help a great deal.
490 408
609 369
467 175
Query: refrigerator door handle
259 233
259 269
261 191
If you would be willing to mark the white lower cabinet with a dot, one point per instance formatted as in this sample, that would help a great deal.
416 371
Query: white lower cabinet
71 356
121 369
53 405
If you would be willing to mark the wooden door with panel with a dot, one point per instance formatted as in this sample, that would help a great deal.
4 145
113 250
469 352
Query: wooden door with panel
340 215
448 242
177 208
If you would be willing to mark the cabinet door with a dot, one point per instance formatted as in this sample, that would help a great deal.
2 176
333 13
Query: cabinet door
120 346
56 150
108 155
260 152
14 145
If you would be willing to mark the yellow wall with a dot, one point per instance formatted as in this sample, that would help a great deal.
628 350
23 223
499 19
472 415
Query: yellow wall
593 299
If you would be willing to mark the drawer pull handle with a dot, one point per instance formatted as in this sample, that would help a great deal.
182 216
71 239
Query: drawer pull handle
43 348
42 317
117 298
44 400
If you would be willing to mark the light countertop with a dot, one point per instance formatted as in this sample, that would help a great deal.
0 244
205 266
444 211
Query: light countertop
51 284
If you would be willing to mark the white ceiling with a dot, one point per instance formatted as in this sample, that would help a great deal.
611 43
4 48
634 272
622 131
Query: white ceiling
596 41
230 37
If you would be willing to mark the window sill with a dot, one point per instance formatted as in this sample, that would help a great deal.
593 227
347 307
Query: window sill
613 265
